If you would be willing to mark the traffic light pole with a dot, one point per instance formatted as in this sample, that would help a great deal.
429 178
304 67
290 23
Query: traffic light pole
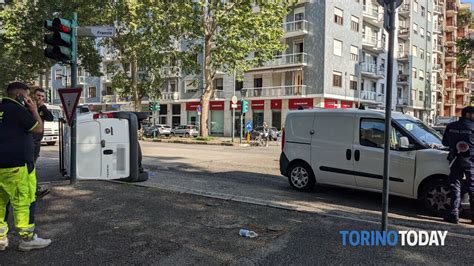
73 175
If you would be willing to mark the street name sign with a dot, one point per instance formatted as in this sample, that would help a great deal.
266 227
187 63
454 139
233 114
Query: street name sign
96 31
69 99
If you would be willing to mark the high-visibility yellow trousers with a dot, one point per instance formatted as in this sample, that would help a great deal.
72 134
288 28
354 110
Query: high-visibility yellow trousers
18 188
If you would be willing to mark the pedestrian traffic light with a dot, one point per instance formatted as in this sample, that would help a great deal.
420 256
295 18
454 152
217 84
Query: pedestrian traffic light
150 106
157 106
245 106
48 96
62 42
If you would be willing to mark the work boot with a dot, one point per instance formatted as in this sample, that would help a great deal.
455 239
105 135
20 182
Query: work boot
3 243
34 243
41 192
451 219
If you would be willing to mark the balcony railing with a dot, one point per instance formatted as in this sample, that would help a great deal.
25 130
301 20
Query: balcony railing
403 31
438 9
403 55
437 28
218 94
370 11
437 67
452 7
174 96
402 78
437 47
461 91
288 59
371 39
449 70
403 101
294 26
372 69
291 90
371 96
170 71
109 98
450 54
404 8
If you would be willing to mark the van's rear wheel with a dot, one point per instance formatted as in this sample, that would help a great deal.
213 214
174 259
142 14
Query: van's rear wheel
51 143
301 177
436 197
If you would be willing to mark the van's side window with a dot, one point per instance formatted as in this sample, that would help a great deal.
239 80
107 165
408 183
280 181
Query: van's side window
371 133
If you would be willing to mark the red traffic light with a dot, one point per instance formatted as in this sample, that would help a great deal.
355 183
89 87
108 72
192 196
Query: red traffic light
62 25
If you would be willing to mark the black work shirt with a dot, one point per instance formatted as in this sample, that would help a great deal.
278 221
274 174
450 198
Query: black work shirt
16 139
45 115
462 130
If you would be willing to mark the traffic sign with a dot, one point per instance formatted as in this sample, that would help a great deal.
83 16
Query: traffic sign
248 126
234 100
96 31
199 109
69 99
234 105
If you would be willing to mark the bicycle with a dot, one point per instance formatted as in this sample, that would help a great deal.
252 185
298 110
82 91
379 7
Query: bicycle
261 140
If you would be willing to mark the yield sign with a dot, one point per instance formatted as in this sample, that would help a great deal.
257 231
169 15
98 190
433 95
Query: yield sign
69 99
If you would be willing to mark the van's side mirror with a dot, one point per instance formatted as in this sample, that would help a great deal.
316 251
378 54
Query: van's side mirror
404 143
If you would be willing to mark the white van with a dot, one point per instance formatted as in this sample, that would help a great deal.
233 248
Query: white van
51 128
344 147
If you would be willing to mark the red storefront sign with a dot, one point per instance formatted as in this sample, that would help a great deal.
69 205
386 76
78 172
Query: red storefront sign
276 104
330 103
257 104
238 105
345 104
192 106
217 105
306 103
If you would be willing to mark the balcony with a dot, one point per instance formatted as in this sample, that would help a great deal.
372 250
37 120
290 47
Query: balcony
438 9
373 43
449 71
295 28
462 91
286 60
404 10
275 91
450 41
402 79
437 28
170 96
451 26
109 98
437 48
437 67
451 9
81 80
218 94
461 77
108 77
460 105
372 70
170 72
403 101
404 32
371 14
371 96
449 56
403 56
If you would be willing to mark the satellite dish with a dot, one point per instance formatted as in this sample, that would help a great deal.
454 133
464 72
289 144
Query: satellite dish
387 2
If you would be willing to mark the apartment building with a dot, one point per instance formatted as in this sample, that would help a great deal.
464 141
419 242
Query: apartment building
455 93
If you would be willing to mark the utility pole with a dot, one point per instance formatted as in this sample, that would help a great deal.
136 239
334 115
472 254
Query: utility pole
73 85
233 113
390 7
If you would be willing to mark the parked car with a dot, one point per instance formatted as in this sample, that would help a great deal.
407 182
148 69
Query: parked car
440 129
274 133
156 130
185 131
345 148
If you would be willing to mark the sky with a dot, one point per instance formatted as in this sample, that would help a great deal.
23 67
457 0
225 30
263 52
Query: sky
468 1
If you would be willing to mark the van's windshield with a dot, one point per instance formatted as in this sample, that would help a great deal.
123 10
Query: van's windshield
421 131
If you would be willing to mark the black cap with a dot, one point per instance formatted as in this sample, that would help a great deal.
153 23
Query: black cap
17 86
467 110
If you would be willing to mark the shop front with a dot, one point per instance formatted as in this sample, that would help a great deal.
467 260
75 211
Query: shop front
257 107
305 103
192 115
216 124
275 106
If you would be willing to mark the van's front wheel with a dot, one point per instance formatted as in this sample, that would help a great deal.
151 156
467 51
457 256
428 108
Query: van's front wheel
436 197
301 177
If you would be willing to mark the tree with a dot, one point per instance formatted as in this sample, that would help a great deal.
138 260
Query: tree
22 33
233 31
146 31
465 49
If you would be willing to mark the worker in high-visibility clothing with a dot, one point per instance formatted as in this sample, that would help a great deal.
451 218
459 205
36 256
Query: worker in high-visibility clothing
19 118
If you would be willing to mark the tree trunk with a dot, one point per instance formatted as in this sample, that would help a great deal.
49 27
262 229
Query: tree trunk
137 103
207 93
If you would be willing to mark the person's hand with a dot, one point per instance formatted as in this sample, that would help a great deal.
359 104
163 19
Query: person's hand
40 102
31 105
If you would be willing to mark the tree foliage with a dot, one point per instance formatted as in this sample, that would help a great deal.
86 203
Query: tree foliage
465 48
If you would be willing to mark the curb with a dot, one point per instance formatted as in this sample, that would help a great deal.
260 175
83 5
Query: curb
218 143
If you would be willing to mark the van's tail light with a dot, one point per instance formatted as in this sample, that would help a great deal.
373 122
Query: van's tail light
282 138
103 115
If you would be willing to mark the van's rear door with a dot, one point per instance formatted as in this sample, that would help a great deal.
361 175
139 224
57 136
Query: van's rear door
332 148
298 133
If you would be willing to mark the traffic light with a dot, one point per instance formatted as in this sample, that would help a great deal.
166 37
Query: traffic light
157 106
150 106
49 96
245 106
62 41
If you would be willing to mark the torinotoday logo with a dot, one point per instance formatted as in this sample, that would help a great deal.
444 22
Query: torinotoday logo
357 238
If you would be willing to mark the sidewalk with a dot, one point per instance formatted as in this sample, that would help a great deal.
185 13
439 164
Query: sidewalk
223 141
95 223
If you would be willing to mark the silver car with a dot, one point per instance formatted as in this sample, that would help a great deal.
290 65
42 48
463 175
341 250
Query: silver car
163 130
185 131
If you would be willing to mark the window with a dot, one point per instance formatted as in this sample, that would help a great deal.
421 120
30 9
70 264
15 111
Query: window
218 84
415 5
422 32
337 47
354 53
420 96
239 84
415 28
414 50
422 54
337 79
190 85
372 134
422 74
92 92
414 72
353 82
355 23
59 74
428 36
429 16
338 16
428 57
423 11
109 91
382 89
